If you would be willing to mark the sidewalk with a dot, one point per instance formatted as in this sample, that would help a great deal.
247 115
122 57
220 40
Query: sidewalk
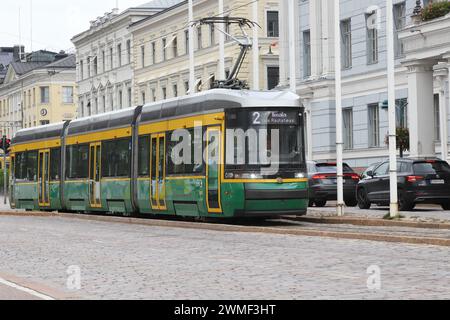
422 213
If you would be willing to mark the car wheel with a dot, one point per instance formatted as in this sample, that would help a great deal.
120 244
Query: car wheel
363 199
446 206
311 203
404 204
320 203
351 202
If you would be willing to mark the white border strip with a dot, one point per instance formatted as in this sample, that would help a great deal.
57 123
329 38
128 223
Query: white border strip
26 290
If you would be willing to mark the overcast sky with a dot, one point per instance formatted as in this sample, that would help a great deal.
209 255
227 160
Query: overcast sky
55 22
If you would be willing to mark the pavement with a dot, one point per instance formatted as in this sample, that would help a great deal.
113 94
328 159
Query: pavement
81 259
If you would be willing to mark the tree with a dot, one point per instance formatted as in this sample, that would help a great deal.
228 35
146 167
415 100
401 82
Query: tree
402 140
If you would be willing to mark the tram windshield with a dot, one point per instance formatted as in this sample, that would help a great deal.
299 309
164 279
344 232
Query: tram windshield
264 143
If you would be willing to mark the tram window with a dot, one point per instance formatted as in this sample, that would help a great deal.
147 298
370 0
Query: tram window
77 162
144 156
189 166
116 158
26 166
55 164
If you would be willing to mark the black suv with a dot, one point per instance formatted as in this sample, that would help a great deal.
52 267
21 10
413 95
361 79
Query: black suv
419 181
322 178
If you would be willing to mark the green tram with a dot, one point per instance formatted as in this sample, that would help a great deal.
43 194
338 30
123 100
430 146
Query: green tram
121 162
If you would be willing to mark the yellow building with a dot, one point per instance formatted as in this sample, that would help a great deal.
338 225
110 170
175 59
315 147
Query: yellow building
37 92
160 43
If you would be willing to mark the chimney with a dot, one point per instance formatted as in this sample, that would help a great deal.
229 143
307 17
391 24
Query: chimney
18 52
61 55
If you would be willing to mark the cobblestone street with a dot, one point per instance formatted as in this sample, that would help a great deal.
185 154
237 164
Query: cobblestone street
121 261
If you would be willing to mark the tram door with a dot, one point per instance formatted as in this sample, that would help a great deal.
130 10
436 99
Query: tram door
44 178
213 180
95 174
12 174
158 172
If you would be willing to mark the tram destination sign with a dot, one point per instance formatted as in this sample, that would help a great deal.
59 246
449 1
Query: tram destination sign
274 118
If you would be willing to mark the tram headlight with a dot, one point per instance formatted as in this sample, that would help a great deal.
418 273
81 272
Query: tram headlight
300 175
229 175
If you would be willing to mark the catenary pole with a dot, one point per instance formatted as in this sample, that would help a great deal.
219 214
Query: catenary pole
255 47
392 107
338 99
292 66
191 47
221 71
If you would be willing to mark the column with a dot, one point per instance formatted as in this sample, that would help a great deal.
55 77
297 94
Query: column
441 76
420 108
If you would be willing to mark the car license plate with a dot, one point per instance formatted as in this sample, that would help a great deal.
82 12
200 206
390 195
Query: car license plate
437 181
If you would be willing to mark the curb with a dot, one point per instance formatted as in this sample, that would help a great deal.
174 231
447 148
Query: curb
367 222
248 229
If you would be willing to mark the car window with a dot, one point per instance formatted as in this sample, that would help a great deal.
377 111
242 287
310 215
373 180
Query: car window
311 168
404 167
331 168
426 168
382 170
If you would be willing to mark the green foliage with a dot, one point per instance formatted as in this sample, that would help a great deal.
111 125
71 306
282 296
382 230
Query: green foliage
435 10
402 140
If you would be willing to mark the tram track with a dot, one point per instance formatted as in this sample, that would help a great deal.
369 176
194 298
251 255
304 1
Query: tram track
288 227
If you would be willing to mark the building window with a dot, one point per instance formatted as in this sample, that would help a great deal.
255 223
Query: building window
120 102
175 47
175 90
111 58
401 108
372 42
346 39
186 87
103 61
119 54
111 99
164 93
186 40
143 97
153 94
130 98
45 95
67 94
45 122
212 35
273 77
143 56
153 52
347 116
399 23
437 120
82 108
164 49
81 69
374 125
272 24
306 54
199 37
95 66
104 103
129 51
89 67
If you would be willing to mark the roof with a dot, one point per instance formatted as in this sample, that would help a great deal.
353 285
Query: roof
68 62
6 58
175 4
24 67
159 4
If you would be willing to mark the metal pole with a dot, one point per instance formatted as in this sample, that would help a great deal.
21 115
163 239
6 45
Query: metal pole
191 48
292 33
338 89
221 71
5 176
391 111
255 48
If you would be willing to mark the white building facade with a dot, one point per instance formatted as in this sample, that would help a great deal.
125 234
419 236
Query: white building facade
421 50
104 59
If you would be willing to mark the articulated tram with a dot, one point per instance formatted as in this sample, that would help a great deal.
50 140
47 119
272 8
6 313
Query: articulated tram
127 162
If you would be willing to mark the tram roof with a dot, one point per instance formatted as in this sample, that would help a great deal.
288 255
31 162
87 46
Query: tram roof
217 99
115 119
54 130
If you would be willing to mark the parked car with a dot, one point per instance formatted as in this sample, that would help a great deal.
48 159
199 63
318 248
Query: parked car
323 183
419 181
370 168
